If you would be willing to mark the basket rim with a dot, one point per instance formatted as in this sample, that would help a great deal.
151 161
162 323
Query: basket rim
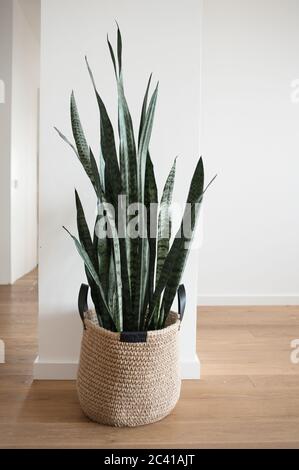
150 333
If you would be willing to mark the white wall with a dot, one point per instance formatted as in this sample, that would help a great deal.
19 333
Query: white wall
250 136
160 37
24 139
5 130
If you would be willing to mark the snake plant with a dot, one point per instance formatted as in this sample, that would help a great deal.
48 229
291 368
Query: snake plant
133 279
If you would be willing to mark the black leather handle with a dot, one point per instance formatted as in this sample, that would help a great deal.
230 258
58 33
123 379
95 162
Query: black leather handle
181 301
83 304
82 301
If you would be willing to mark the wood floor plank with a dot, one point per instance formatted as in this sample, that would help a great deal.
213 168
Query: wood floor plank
248 396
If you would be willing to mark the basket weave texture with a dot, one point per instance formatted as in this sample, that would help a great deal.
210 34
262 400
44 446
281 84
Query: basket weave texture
128 384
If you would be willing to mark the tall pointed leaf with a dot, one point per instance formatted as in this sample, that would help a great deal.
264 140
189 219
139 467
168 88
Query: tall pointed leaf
144 109
83 230
183 245
89 165
176 259
144 142
66 140
89 266
108 145
119 50
79 136
112 285
117 262
127 155
144 245
112 56
102 171
164 224
150 196
101 250
151 203
112 184
128 158
86 242
95 172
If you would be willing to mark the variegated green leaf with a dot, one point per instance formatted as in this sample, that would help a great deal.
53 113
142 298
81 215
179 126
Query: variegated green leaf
144 245
176 259
164 224
66 140
102 249
112 56
117 262
136 261
83 230
144 142
102 171
102 255
112 286
89 266
151 203
150 196
95 172
113 186
183 249
79 136
119 50
144 110
128 160
113 179
86 242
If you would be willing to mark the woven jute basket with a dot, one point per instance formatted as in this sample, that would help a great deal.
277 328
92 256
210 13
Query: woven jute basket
128 379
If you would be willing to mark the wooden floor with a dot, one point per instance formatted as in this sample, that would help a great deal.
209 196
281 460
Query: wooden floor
248 395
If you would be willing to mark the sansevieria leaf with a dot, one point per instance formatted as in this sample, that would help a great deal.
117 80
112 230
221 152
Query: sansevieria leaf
176 259
127 156
108 144
143 243
151 203
83 230
164 224
95 171
136 262
112 286
113 186
117 261
101 247
145 140
86 242
90 267
66 140
79 136
144 110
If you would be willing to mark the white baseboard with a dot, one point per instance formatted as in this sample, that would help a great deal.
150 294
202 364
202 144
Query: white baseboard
191 369
68 371
54 370
227 300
